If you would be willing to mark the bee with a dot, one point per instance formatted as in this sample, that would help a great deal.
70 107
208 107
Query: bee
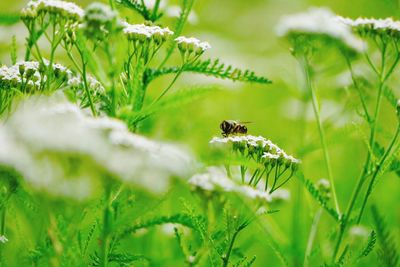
232 127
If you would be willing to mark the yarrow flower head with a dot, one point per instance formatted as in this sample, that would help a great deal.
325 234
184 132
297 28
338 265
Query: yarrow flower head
143 33
29 76
257 147
267 156
318 25
373 27
191 48
64 9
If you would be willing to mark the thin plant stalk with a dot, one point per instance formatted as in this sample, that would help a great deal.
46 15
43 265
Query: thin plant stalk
312 235
382 78
310 87
105 234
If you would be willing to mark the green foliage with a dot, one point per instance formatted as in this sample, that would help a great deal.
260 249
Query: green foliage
212 68
370 245
137 6
388 252
315 193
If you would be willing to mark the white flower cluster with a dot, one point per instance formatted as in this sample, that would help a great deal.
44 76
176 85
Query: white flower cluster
266 149
30 75
94 85
142 33
216 180
319 22
191 45
60 150
64 9
386 26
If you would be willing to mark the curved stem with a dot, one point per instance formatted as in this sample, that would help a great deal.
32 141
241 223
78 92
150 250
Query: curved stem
356 85
85 83
306 68
225 258
170 85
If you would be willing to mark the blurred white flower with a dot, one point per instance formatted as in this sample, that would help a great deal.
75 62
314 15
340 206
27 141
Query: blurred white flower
150 4
3 239
59 149
358 233
168 229
214 179
319 21
172 11
62 8
280 195
175 12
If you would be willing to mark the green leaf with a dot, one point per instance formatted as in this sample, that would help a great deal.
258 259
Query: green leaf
312 189
395 166
388 253
137 7
182 219
212 68
370 245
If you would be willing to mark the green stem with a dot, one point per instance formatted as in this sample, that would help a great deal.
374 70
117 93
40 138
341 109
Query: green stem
155 9
377 170
364 172
311 89
111 75
356 85
225 258
311 237
105 235
85 83
170 85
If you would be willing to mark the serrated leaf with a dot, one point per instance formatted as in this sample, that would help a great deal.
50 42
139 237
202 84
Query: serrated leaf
212 68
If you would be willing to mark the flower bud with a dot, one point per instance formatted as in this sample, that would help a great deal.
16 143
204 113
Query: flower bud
21 69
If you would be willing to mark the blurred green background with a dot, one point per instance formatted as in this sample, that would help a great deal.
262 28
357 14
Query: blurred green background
242 34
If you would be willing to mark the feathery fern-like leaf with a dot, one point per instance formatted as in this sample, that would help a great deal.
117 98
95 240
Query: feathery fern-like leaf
183 219
138 7
388 253
312 189
212 68
370 245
